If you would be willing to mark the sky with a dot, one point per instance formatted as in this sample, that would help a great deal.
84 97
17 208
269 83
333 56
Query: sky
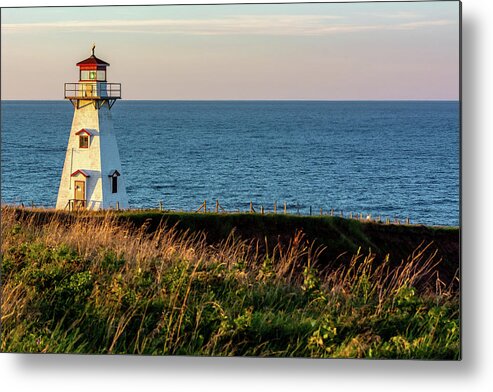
325 51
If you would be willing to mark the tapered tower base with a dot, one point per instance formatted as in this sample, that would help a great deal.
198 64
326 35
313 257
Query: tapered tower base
92 176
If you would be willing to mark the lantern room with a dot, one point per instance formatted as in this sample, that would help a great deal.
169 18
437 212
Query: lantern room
92 69
92 84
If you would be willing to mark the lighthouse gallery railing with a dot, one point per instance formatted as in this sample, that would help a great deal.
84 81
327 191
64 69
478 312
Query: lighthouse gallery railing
98 90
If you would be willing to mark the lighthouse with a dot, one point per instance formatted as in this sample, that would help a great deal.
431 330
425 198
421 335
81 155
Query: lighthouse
92 176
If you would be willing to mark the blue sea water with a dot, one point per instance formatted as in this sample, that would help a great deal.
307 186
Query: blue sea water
395 158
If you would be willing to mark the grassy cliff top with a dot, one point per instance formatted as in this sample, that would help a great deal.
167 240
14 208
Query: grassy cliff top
339 237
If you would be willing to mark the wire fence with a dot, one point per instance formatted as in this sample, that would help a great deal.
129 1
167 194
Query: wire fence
217 208
260 209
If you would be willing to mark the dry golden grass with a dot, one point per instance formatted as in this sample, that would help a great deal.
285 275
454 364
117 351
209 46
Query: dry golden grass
170 292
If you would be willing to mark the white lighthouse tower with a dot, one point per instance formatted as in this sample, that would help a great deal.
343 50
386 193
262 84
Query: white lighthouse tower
92 176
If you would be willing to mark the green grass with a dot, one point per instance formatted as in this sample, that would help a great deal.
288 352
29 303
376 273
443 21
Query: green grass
102 286
341 238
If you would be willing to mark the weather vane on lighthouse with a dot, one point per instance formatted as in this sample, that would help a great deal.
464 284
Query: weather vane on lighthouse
92 176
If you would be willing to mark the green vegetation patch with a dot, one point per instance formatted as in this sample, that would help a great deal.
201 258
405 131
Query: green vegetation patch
171 293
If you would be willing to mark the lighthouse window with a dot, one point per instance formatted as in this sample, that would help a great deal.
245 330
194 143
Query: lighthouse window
114 184
84 75
93 75
102 76
83 141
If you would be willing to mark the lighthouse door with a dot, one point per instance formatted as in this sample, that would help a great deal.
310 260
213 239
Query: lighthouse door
79 194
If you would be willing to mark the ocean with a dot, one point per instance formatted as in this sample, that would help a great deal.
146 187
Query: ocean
384 158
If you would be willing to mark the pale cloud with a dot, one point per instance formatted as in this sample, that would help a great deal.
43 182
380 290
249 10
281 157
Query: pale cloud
394 15
424 23
296 25
377 27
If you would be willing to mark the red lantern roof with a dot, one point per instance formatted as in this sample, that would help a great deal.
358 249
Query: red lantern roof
93 60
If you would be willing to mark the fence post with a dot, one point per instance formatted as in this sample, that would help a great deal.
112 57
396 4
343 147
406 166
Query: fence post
118 206
331 212
310 210
217 205
407 220
321 212
262 210
160 205
285 208
342 214
251 207
351 215
275 207
205 205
